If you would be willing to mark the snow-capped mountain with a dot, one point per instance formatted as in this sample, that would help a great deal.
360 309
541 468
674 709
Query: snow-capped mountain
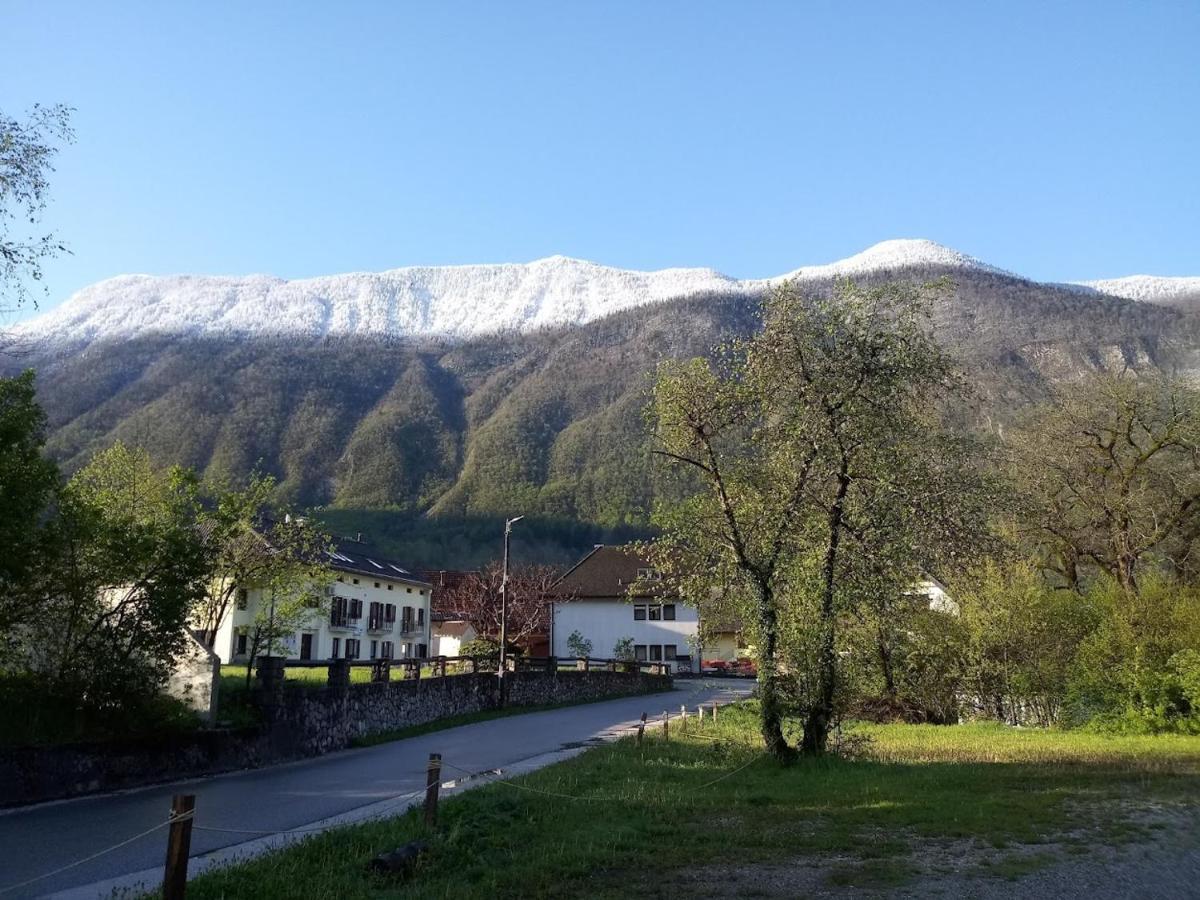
1150 289
455 301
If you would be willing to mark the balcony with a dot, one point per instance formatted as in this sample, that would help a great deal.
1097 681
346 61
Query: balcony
378 623
340 619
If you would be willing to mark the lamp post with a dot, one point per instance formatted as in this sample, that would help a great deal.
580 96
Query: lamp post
508 524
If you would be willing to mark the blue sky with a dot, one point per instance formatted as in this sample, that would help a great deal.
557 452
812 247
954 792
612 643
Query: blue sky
1060 140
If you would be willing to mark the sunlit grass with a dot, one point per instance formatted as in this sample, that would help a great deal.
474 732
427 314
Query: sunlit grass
709 798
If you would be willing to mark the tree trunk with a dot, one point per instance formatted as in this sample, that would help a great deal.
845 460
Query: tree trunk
770 707
820 716
885 664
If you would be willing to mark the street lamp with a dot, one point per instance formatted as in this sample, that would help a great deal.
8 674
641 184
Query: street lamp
508 524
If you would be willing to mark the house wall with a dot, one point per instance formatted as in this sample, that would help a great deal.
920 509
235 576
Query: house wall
604 622
447 639
351 586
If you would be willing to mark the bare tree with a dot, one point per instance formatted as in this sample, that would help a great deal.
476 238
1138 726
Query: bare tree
475 599
1111 469
27 150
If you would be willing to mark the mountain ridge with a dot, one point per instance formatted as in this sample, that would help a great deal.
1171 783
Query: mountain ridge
464 301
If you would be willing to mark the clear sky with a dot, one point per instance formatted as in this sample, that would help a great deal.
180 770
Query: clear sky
1057 139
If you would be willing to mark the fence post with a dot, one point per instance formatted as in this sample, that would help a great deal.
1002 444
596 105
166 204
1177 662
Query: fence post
641 728
683 717
666 726
552 665
433 781
179 845
700 715
339 674
714 712
442 666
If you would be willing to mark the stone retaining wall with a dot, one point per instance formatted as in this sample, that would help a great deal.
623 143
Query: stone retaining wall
299 721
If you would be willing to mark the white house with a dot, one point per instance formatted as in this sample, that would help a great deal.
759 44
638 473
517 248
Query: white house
601 609
377 609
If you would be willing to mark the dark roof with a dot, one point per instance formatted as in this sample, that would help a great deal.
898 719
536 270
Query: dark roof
443 580
604 574
354 556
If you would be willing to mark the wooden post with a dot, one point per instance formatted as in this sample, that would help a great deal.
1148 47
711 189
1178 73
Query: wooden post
666 726
683 717
700 715
714 712
433 781
641 728
179 845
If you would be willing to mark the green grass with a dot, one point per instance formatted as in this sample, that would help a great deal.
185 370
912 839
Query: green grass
646 814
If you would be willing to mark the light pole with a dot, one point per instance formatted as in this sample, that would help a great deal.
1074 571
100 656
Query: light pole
508 524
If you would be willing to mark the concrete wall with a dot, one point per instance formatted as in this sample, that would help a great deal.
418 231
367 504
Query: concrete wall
299 721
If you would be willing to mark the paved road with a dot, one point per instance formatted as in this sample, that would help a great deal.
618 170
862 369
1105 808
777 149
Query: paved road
42 838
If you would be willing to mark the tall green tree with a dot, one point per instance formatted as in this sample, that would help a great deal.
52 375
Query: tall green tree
792 443
119 572
28 481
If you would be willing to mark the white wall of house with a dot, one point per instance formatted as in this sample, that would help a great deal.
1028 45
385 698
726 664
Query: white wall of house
326 639
447 638
604 622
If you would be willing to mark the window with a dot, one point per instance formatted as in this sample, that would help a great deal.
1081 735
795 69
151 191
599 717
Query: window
377 584
243 598
389 587
241 645
340 578
407 650
668 651
356 609
409 590
422 651
648 574
639 614
639 652
387 649
374 648
420 617
669 612
353 647
339 612
655 612
337 646
356 581
655 653
389 613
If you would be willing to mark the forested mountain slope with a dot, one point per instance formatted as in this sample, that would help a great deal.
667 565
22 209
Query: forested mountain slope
548 423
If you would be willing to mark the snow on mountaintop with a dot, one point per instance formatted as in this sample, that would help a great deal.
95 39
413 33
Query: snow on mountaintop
456 301
1147 288
893 256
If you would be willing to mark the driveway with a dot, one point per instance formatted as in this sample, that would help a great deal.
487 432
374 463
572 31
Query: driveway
250 806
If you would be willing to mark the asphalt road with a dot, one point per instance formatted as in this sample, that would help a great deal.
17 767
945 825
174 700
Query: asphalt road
40 839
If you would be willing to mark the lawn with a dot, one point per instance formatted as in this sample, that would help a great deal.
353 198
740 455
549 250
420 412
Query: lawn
707 804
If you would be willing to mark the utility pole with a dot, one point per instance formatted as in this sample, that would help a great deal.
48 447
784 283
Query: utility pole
508 524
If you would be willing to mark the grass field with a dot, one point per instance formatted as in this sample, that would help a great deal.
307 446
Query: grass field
624 819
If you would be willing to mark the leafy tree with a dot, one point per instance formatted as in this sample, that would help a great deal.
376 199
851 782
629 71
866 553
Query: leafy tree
579 646
120 569
623 649
793 442
1023 635
1111 470
475 599
27 150
292 589
256 543
27 485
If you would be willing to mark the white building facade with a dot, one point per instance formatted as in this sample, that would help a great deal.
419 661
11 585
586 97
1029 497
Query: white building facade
374 609
601 608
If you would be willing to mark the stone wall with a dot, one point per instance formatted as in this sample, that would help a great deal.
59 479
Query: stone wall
299 721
